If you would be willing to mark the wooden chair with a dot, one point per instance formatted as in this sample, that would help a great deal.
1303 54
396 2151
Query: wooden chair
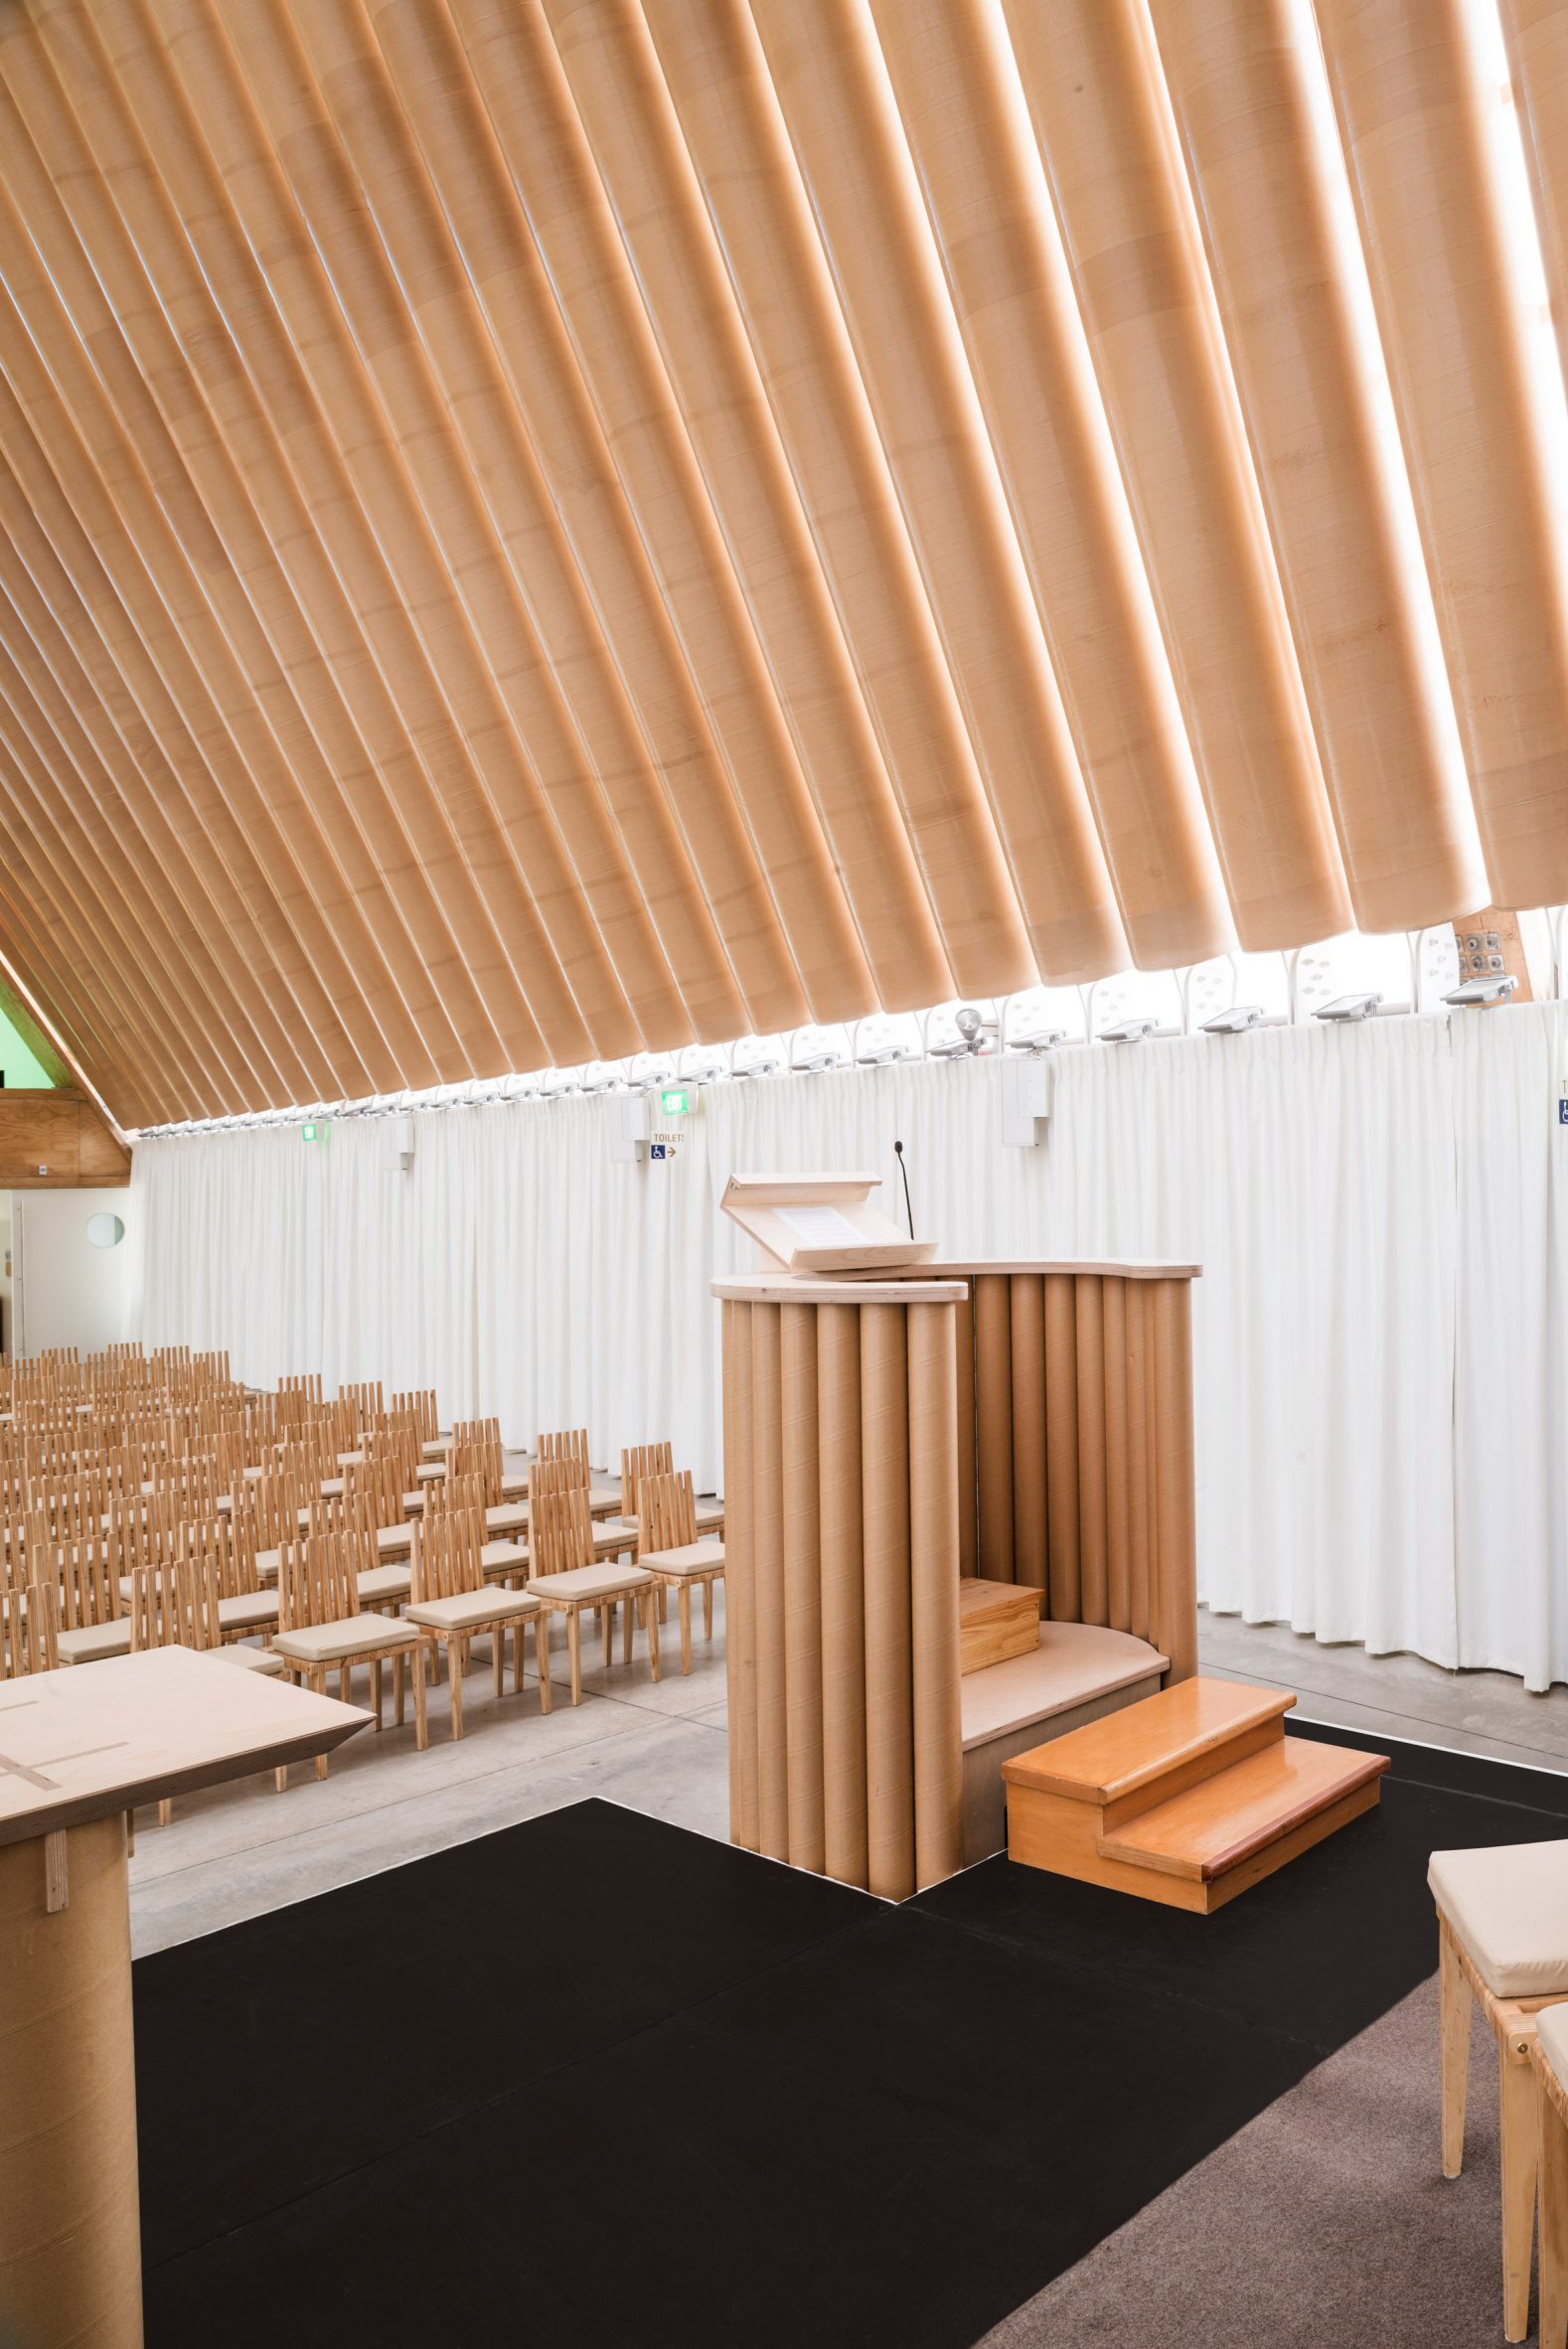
452 1602
382 1587
1550 2055
321 1624
567 1579
87 1572
29 1628
1503 1941
669 1549
243 1607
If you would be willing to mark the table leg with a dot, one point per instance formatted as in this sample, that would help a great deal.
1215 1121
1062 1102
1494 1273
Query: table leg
68 2090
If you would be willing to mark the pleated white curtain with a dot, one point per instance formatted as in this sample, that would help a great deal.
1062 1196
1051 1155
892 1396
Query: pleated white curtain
1379 1330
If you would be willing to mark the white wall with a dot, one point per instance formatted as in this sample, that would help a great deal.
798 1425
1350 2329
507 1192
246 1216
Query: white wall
69 1293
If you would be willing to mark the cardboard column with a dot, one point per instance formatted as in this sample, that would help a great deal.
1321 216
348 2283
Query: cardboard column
884 1487
933 1594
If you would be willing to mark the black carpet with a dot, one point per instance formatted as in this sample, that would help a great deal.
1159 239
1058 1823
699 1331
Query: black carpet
596 2080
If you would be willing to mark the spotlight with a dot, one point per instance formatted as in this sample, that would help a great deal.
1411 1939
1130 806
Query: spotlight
1127 1031
1235 1022
1043 1040
1495 989
1350 1007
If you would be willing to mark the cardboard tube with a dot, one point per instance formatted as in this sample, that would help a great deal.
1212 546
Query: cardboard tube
740 1595
1117 1583
1413 96
1267 173
802 1586
1137 1466
842 1592
1027 1311
70 2229
993 1423
1176 1624
933 1594
853 156
1089 1304
979 172
1061 1448
889 1715
768 1537
967 1495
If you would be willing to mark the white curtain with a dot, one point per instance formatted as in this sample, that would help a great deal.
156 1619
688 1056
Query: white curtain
1379 1330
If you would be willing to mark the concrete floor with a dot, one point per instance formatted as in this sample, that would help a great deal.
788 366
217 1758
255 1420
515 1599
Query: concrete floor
238 1850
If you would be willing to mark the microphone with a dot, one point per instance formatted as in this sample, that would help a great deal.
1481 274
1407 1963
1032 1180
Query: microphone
904 1171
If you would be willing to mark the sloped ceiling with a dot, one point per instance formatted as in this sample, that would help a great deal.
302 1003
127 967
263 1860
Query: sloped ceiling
535 528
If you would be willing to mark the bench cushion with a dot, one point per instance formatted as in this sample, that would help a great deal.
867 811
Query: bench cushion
90 1643
693 1557
1551 2031
471 1610
610 1581
338 1643
1507 1907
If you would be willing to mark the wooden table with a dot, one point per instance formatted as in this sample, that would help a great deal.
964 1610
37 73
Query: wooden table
77 1751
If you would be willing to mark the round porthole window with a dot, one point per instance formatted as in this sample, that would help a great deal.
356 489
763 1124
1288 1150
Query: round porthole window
104 1231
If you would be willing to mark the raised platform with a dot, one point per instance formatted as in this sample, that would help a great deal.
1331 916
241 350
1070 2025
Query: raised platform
1186 1797
1074 1673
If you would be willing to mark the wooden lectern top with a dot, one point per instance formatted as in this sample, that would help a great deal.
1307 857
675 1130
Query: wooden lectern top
820 1223
82 1743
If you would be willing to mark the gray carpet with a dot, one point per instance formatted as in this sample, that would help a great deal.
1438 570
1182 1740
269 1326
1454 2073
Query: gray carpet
1326 2222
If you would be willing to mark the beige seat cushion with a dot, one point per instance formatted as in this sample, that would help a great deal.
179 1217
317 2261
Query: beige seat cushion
356 1634
93 1642
507 1516
249 1659
1507 1906
471 1610
384 1584
1551 2030
248 1611
504 1557
693 1557
267 1565
608 1581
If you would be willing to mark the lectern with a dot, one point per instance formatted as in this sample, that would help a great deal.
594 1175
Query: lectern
78 1749
891 1440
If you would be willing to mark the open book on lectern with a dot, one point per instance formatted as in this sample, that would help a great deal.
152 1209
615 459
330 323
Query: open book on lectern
820 1223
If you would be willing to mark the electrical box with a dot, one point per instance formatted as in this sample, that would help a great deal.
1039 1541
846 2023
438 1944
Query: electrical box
1028 1088
397 1144
629 1143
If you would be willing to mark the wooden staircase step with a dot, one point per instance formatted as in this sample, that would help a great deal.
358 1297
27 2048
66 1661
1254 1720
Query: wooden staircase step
1240 1814
1133 1758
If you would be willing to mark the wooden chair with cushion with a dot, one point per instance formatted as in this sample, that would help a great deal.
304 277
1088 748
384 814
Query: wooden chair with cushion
668 1548
29 1628
88 1573
383 1586
1503 1941
566 1577
244 1609
452 1601
174 1603
321 1624
1550 2055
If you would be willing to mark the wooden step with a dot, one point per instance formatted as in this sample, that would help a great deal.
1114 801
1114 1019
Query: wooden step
1135 1758
1265 1800
995 1620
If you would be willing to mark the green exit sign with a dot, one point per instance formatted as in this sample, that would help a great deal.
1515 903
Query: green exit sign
314 1130
675 1101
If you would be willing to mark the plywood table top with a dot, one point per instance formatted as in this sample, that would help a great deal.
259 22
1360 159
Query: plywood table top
78 1745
